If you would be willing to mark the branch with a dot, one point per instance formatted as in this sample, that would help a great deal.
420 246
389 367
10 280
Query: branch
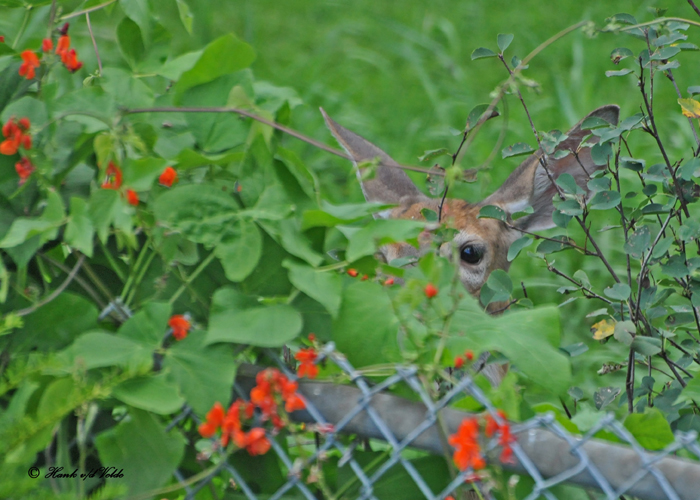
55 293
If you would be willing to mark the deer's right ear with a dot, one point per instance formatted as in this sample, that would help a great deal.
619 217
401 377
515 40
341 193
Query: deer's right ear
390 183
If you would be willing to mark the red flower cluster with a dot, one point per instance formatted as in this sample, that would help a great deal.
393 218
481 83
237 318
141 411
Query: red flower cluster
505 438
168 177
271 390
15 135
466 443
114 177
68 56
29 64
178 322
306 358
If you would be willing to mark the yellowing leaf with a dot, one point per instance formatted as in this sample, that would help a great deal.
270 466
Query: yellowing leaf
690 107
603 329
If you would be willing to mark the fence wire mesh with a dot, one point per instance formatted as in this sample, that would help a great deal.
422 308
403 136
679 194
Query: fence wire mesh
544 450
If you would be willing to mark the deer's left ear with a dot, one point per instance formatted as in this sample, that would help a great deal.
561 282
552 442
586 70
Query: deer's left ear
530 185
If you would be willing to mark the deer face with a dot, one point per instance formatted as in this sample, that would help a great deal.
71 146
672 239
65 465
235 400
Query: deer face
481 244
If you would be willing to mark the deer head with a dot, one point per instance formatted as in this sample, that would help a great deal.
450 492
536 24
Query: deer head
482 244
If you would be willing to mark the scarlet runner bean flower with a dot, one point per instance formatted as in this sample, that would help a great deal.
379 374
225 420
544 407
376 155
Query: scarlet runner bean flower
505 438
352 272
306 358
68 56
430 290
459 362
467 450
272 387
28 67
114 177
46 45
15 133
24 169
168 177
180 325
131 197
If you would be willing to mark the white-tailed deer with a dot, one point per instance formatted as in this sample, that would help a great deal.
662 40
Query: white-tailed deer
482 243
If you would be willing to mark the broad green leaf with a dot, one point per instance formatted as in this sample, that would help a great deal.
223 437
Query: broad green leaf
650 429
662 247
142 446
366 327
665 53
518 245
148 325
204 374
504 41
601 153
624 332
498 287
186 16
599 184
126 89
103 207
620 53
476 113
529 339
619 291
26 107
604 200
174 68
333 215
100 349
675 267
239 249
130 41
604 396
492 212
646 346
288 234
140 12
80 231
567 183
638 242
241 319
224 55
690 169
380 232
568 207
482 52
324 287
517 149
23 229
152 393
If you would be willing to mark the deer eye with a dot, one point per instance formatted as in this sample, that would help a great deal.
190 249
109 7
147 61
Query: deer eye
471 254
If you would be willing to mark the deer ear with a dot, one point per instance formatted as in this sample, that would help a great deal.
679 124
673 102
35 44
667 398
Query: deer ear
530 185
390 183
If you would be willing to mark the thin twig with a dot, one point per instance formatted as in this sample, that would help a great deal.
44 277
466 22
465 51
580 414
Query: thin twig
55 293
86 11
94 43
79 280
695 7
587 292
286 130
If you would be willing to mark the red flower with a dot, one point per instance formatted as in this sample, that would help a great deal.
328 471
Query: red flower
469 355
312 337
9 147
24 169
215 418
430 290
46 45
132 197
352 272
24 124
31 62
465 441
254 441
114 177
389 282
69 58
505 438
306 358
14 130
459 362
63 44
2 39
168 177
180 325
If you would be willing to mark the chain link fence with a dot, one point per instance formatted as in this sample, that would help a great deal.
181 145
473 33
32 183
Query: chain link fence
545 451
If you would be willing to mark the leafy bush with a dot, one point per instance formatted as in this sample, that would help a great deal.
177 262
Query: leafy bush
154 238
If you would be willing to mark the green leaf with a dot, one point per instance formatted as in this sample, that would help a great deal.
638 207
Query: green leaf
224 55
619 291
665 53
601 153
80 230
621 72
504 41
23 229
517 149
604 200
148 325
323 287
100 349
497 288
240 249
482 52
151 393
204 374
662 247
599 184
646 346
518 245
604 396
650 429
675 267
620 53
559 244
333 215
638 242
241 319
186 16
636 165
434 153
625 331
103 206
582 277
366 307
568 207
380 232
528 338
142 446
130 41
690 169
492 212
477 112
567 183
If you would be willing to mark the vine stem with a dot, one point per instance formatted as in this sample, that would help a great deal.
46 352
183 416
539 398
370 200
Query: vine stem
86 11
192 277
55 293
